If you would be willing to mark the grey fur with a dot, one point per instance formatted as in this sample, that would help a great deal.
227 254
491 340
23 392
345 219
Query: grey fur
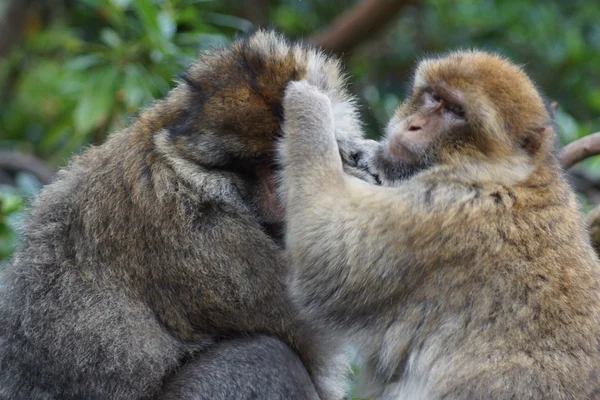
259 367
147 248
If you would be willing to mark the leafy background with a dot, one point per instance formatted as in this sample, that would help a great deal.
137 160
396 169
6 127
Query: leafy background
81 68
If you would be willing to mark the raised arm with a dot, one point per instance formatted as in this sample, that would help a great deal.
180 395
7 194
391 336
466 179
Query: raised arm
353 245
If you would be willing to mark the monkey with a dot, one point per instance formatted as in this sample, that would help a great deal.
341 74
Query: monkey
164 244
469 273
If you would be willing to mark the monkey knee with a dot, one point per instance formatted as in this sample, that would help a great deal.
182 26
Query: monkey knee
259 367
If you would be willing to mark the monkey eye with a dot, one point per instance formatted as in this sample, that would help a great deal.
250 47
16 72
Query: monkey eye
436 97
456 110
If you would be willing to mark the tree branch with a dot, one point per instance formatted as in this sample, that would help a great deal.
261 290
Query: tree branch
256 11
15 162
584 183
358 24
579 150
11 24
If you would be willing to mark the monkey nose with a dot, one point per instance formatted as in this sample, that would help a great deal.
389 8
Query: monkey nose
415 123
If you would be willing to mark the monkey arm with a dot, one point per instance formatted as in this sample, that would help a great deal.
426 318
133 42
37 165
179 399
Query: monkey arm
309 138
355 247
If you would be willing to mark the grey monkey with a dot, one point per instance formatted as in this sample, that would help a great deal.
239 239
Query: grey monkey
158 254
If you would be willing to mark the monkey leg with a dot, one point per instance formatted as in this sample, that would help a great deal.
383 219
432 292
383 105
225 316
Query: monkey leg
258 367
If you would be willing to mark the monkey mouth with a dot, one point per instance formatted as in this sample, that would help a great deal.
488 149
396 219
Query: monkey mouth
399 150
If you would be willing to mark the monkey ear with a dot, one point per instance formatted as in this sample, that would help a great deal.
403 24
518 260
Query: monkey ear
535 139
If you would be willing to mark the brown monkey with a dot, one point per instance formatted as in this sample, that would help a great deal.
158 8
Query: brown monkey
162 244
472 279
593 221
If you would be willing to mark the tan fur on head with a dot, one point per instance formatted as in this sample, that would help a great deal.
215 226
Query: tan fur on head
509 107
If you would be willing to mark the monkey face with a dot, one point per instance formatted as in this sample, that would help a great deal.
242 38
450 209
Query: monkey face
418 133
231 114
466 105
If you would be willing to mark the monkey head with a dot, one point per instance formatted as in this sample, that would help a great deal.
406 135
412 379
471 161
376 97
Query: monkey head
467 104
232 111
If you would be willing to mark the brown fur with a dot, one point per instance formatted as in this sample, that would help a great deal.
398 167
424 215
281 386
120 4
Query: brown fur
148 249
474 279
593 221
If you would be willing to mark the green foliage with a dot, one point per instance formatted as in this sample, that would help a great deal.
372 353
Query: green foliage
85 73
557 42
12 203
84 68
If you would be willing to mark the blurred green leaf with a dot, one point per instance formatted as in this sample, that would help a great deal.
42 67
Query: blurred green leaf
12 202
110 37
167 24
229 21
121 3
98 99
149 17
79 63
9 203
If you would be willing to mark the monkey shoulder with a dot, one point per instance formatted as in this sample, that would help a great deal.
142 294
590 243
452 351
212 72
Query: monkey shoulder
440 195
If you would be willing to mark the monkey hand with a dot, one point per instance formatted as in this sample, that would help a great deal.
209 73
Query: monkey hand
358 158
309 152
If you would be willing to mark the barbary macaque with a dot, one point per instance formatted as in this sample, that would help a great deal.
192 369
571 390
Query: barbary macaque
156 258
469 274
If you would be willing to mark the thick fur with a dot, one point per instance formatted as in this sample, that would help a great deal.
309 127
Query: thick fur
149 247
250 368
475 279
593 221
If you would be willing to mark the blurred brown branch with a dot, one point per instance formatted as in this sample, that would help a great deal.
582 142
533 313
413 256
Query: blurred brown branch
12 20
358 24
579 150
17 162
256 11
584 183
